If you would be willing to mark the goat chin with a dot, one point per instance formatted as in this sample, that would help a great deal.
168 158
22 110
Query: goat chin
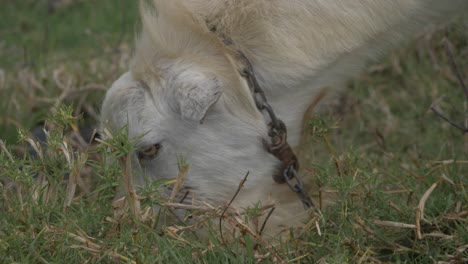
184 92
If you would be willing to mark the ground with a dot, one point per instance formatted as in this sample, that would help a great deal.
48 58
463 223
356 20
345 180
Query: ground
396 170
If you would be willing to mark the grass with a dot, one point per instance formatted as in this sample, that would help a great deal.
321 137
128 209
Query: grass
386 152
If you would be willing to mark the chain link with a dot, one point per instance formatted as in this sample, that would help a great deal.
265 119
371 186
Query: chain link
291 176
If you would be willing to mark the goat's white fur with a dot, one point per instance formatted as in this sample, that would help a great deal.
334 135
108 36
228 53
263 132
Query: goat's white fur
297 47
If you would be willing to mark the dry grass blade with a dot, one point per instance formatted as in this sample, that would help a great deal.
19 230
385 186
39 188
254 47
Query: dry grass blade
422 203
332 153
11 185
5 150
133 201
186 206
394 206
314 222
362 224
183 170
120 207
393 224
71 186
462 248
450 161
37 147
398 191
172 231
236 221
461 216
90 245
364 256
439 235
75 172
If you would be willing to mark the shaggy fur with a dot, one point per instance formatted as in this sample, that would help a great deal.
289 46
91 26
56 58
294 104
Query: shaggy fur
183 89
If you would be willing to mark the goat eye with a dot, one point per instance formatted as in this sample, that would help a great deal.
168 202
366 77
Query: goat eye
149 153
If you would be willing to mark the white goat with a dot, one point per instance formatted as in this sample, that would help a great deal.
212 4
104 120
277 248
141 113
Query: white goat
184 93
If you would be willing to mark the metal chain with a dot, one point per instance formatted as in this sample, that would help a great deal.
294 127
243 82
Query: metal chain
278 146
262 103
290 175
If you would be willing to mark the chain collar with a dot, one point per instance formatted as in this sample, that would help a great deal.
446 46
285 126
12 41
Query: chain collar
278 145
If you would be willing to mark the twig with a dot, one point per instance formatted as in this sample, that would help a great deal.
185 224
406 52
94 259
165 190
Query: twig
320 198
455 67
448 120
266 220
241 185
184 197
463 128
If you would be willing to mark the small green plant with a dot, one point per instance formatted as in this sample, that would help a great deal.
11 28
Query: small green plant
321 126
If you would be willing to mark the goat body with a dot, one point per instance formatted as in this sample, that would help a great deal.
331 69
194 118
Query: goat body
183 91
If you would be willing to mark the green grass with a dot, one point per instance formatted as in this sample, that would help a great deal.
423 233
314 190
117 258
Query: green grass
85 44
33 36
384 154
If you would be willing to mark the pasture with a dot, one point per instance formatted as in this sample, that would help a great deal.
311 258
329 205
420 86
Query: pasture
396 171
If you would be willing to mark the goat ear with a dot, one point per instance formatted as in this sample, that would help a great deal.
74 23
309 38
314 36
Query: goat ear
196 94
